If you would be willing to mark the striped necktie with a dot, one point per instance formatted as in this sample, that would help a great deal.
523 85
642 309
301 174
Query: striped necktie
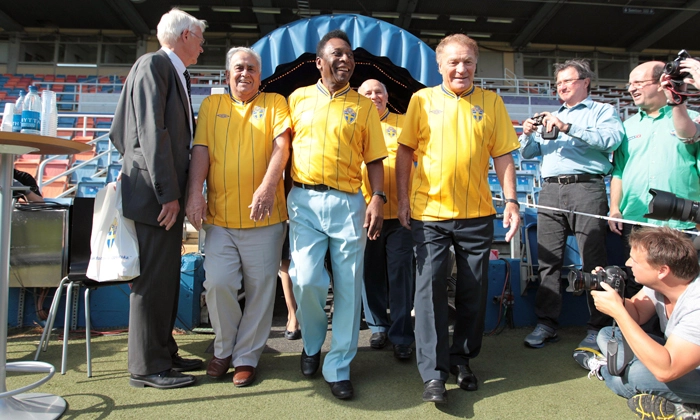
189 85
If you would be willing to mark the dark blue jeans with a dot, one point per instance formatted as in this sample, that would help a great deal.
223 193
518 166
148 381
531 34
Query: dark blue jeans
552 229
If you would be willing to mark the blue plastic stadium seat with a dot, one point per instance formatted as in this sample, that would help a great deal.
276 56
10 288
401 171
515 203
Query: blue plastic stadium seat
113 171
495 185
516 158
89 188
83 172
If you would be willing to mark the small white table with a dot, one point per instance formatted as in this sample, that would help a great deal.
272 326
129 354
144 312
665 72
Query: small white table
17 404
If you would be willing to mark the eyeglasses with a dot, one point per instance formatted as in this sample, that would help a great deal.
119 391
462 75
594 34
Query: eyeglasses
567 82
640 84
201 44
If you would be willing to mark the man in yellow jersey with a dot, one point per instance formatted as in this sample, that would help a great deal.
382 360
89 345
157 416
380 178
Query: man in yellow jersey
335 130
240 148
454 128
389 259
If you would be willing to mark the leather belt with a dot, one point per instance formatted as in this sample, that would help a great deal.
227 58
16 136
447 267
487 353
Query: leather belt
572 179
318 187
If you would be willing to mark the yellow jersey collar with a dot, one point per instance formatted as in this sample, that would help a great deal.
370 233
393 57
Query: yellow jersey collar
451 94
322 89
384 115
239 102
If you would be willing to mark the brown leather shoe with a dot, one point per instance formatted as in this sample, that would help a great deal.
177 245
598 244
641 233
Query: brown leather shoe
244 375
218 368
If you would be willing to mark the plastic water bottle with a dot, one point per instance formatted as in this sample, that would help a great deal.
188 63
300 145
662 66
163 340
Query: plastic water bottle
17 116
31 112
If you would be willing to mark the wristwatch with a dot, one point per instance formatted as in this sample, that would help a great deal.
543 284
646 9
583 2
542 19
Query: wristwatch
380 194
512 200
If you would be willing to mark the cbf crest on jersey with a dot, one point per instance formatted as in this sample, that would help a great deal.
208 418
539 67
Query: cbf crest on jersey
258 112
391 132
477 113
350 115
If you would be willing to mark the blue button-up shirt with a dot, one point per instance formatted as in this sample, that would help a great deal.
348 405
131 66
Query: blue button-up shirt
596 131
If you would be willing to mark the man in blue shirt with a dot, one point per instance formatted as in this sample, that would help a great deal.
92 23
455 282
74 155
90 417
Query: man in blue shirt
573 167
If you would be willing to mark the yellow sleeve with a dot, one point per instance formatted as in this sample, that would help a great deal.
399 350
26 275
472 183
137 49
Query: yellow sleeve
200 136
374 147
281 120
411 126
506 140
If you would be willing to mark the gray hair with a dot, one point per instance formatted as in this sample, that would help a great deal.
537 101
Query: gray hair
233 51
174 23
582 67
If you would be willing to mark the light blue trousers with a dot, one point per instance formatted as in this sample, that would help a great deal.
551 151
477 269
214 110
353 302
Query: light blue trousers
637 379
321 221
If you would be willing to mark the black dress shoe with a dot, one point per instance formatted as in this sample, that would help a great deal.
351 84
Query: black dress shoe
183 365
292 335
402 352
163 380
434 391
309 364
465 377
341 389
378 340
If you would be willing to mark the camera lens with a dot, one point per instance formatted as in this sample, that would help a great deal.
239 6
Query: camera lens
665 205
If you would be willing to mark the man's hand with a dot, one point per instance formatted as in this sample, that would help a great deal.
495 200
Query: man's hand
168 215
263 200
405 214
374 217
196 210
511 217
692 66
616 227
529 126
608 301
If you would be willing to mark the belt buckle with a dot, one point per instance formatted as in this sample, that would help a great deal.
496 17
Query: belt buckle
564 179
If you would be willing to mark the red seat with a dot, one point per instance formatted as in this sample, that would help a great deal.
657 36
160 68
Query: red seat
55 188
55 168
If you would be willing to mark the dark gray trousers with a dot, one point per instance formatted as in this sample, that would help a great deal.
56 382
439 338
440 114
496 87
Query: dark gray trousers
154 299
552 229
471 239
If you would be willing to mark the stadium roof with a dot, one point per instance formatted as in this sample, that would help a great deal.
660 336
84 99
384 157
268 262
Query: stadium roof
631 25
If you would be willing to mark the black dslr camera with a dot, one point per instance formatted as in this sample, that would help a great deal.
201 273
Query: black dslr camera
613 275
551 135
672 68
665 205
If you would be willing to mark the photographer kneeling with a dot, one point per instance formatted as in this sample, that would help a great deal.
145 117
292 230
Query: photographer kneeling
662 379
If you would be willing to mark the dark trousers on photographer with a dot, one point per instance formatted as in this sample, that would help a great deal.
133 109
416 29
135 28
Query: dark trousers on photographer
553 227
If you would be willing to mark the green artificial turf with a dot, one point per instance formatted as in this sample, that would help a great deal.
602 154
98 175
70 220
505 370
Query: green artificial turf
516 383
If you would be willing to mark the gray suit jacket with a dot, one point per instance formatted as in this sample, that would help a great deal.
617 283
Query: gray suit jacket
150 129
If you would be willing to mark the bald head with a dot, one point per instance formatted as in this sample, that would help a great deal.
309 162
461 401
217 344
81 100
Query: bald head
376 91
644 87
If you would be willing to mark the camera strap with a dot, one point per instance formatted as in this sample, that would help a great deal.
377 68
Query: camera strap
615 345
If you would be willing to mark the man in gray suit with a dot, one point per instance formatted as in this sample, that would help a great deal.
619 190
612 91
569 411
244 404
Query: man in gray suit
152 129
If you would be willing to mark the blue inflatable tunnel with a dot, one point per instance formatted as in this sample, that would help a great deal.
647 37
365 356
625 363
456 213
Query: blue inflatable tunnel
382 51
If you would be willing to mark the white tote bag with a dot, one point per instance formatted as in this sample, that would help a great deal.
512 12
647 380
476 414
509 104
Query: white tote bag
114 249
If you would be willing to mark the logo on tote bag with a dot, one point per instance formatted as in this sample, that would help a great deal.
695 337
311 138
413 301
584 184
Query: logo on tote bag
112 234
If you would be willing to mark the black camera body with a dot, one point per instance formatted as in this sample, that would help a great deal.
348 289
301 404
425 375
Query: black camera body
665 205
672 68
613 275
551 135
